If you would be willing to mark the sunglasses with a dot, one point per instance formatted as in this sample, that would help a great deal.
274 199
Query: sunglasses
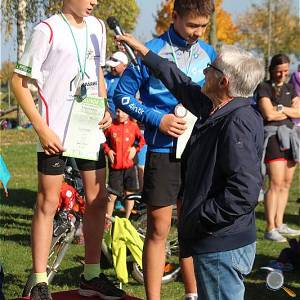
215 68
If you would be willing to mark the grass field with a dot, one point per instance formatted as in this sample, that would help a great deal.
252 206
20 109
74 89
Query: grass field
18 150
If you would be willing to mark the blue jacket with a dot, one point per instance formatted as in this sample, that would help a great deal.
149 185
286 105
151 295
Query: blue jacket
221 167
156 99
111 84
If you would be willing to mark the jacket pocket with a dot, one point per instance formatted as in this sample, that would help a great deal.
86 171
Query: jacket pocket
243 258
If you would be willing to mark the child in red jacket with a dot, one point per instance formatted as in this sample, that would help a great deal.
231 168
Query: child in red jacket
123 140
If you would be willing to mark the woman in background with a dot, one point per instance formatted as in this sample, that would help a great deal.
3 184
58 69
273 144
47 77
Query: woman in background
278 103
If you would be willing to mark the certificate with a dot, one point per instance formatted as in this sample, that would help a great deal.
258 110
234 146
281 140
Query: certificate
83 136
183 138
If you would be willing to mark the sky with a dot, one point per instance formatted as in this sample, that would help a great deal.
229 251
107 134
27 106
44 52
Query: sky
146 21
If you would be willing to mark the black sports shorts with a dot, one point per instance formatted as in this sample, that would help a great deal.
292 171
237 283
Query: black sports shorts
162 179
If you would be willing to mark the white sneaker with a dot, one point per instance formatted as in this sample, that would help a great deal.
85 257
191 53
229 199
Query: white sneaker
284 229
275 236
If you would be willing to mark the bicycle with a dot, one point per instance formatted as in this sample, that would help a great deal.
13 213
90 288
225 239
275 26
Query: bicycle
139 221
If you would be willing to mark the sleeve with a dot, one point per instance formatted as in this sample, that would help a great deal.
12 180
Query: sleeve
263 90
106 146
125 92
292 91
140 138
102 44
180 85
36 52
240 164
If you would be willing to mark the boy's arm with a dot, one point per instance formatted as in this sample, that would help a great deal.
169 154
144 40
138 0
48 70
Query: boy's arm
124 98
140 138
49 140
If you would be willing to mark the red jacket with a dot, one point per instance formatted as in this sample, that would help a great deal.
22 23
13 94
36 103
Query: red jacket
120 137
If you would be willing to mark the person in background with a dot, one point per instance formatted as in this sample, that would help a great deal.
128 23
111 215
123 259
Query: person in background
278 103
123 141
64 57
117 64
182 44
295 81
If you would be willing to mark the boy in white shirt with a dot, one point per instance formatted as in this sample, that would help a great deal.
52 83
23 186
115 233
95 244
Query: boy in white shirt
64 57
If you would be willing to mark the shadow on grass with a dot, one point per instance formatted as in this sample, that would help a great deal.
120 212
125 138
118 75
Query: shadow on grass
256 282
19 198
288 218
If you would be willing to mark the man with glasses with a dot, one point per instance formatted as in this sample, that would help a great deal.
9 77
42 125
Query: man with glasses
221 165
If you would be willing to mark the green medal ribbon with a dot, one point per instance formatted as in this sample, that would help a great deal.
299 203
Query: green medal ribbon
83 89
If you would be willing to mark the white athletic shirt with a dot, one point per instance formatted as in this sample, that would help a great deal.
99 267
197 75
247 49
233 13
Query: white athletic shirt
50 58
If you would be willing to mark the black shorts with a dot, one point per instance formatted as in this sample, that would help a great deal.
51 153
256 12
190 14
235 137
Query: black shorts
55 164
124 180
162 179
273 151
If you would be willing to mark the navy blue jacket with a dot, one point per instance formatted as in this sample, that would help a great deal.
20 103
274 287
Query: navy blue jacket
221 165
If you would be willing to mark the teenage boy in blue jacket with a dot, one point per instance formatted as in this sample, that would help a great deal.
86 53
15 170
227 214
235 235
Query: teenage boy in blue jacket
162 180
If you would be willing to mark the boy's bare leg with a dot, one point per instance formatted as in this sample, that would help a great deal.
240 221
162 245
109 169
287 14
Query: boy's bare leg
187 267
42 221
111 204
158 225
129 204
94 216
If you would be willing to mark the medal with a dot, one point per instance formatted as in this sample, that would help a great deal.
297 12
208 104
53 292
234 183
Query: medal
180 111
81 90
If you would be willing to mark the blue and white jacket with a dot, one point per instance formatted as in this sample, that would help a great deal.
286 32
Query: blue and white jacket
156 98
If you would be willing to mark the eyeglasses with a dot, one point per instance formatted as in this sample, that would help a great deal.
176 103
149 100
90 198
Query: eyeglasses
215 68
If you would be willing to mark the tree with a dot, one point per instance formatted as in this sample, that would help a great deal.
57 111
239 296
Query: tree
285 27
226 30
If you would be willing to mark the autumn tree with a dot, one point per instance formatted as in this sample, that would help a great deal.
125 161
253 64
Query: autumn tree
226 30
285 29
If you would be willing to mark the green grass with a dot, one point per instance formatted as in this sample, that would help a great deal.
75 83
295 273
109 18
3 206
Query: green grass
18 150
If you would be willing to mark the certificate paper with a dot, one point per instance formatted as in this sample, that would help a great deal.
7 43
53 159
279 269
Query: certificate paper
183 139
83 137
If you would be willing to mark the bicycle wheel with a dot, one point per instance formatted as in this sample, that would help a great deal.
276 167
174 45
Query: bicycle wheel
57 252
172 267
58 249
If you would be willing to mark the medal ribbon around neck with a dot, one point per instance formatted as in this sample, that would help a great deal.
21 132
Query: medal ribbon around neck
187 66
82 69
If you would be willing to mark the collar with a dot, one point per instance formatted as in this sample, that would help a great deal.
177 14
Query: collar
176 39
231 106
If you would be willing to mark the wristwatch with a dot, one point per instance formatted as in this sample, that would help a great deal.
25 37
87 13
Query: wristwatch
279 108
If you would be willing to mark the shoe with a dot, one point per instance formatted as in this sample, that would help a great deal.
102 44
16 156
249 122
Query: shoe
275 236
284 229
100 286
40 292
190 297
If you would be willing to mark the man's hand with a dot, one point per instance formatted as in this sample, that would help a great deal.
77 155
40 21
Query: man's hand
172 125
132 152
106 121
111 156
50 141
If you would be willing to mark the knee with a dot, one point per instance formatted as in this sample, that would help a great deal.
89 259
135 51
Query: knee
46 204
97 202
158 232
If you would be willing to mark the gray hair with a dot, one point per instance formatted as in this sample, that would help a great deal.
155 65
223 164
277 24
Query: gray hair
243 70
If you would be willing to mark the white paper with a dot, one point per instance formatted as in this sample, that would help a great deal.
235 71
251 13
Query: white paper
83 137
183 139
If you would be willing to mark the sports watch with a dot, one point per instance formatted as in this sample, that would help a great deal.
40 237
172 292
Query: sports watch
279 108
